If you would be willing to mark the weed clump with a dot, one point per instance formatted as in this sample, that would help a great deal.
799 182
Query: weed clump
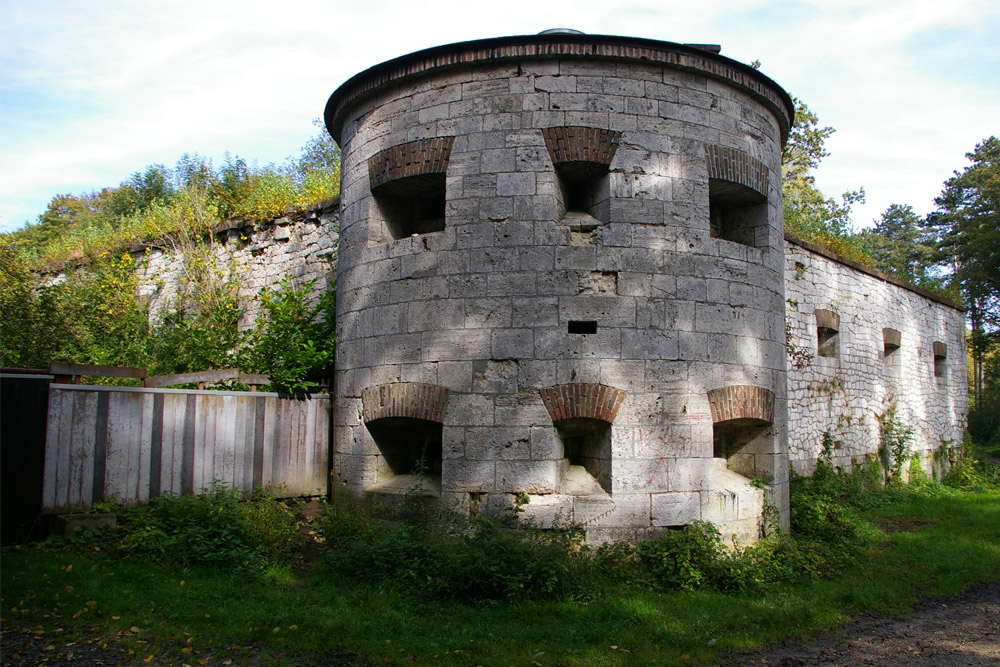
970 472
218 528
827 507
489 560
447 558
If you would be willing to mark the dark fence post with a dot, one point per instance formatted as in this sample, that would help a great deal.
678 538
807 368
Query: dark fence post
24 404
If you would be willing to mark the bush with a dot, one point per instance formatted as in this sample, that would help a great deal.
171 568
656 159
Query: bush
684 559
445 557
295 337
216 528
773 560
969 472
826 511
486 560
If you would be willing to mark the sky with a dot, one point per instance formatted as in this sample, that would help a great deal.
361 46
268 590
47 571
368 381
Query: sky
92 91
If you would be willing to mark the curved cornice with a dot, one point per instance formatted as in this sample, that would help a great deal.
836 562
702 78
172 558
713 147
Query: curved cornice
498 49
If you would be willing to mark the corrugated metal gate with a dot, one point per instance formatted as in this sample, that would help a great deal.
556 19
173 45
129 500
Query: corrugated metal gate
23 405
137 443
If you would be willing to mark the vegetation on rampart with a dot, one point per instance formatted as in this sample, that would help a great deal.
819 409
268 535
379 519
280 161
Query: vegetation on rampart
93 316
189 199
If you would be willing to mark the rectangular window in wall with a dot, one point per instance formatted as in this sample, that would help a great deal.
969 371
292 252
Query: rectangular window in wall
891 356
827 333
940 359
407 184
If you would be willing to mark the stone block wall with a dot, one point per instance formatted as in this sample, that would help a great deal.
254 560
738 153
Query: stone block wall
531 230
875 346
302 245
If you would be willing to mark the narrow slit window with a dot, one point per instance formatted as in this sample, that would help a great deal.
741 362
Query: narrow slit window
582 327
891 339
940 359
827 334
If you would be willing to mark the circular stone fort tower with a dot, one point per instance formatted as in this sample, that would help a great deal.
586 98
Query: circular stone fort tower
561 280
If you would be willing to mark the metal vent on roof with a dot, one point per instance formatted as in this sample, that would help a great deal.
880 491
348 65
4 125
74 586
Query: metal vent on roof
711 48
562 31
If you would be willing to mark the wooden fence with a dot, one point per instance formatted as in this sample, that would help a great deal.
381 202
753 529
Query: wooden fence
136 443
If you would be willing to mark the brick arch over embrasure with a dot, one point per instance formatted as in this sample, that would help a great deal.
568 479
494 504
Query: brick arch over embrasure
730 164
741 402
404 399
582 399
581 144
414 158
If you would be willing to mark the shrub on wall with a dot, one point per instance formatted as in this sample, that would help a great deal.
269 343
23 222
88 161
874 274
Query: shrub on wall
91 317
295 337
191 198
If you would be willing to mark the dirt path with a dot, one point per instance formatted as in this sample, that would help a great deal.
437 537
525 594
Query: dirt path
964 630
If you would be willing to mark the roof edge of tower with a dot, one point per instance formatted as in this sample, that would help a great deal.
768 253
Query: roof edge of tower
687 57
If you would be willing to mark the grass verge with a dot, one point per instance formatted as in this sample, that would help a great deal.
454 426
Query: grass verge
931 541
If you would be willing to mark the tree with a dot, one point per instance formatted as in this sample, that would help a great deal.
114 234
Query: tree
808 214
139 192
899 246
194 170
966 228
29 331
316 174
321 153
62 214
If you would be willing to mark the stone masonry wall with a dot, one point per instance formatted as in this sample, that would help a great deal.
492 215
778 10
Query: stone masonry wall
618 301
849 389
302 244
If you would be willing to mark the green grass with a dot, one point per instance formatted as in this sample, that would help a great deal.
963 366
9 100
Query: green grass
937 542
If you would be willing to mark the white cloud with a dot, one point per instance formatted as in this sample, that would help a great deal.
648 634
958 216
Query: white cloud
90 92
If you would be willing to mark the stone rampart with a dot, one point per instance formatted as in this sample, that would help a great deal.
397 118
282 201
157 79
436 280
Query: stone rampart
302 244
869 348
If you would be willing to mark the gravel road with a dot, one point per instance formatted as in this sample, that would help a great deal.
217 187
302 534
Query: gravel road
964 630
